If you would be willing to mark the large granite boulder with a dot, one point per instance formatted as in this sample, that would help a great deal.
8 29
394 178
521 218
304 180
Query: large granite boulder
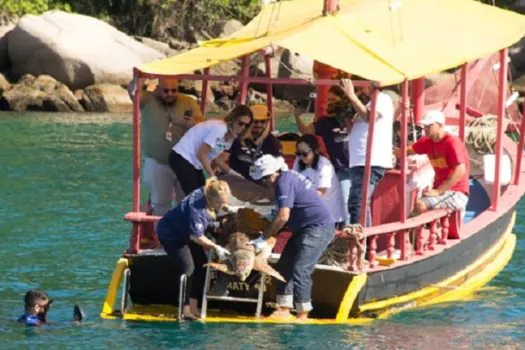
75 49
39 94
105 98
5 30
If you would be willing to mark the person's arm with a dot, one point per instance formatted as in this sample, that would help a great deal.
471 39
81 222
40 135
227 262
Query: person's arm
456 175
222 162
197 116
202 156
303 128
410 151
204 241
281 218
359 107
145 94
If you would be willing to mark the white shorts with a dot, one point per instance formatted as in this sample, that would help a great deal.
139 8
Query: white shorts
454 200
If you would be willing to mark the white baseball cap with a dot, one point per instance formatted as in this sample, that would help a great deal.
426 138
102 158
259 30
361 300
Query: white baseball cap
267 165
432 117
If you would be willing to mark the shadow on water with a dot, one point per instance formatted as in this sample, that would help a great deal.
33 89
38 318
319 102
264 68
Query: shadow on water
65 183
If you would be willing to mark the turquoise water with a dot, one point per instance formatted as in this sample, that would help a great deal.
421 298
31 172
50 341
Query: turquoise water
65 183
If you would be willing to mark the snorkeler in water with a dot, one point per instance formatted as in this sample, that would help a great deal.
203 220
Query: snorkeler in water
37 305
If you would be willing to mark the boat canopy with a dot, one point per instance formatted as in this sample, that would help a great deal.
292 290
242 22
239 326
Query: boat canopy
381 40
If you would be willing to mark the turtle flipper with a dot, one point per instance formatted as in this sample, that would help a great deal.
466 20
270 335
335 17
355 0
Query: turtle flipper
263 266
225 268
78 314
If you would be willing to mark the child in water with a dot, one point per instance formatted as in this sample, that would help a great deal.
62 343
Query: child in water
37 304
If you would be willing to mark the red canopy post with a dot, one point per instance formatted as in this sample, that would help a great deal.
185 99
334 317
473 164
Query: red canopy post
463 101
269 90
520 148
418 97
136 139
502 95
243 92
204 92
369 142
405 105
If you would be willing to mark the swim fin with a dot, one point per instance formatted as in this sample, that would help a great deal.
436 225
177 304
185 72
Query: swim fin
78 314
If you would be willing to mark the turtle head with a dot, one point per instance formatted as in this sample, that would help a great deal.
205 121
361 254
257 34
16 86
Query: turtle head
243 266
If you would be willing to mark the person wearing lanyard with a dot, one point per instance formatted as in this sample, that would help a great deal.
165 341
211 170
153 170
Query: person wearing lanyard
312 226
166 116
204 143
181 233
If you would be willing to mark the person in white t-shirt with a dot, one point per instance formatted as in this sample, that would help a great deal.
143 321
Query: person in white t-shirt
320 171
381 158
203 143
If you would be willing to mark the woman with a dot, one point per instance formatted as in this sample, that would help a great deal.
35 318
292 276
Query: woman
320 171
203 143
181 233
338 116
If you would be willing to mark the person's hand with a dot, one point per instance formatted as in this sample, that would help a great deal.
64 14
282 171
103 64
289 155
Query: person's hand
348 87
297 111
259 243
222 253
430 193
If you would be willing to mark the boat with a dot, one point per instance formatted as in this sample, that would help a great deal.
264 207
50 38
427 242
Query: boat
435 257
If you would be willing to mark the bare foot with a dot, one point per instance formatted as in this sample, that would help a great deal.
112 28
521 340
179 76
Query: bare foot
281 313
302 316
189 316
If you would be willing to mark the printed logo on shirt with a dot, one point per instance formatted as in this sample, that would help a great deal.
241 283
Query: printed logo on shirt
439 163
306 181
199 227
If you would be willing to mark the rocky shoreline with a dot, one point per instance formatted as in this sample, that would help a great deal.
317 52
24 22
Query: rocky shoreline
66 62
50 62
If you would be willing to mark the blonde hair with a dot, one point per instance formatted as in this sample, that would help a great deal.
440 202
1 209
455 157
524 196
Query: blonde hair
215 189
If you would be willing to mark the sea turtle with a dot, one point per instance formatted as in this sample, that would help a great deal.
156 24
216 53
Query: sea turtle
243 258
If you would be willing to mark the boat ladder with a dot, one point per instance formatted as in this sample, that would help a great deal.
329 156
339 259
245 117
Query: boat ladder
206 296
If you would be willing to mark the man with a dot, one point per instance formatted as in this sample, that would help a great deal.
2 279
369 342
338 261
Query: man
450 161
166 116
36 307
381 158
244 152
312 226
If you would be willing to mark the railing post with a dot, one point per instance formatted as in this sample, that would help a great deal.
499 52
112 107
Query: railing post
405 105
418 96
390 247
419 241
372 251
433 235
502 91
445 224
136 139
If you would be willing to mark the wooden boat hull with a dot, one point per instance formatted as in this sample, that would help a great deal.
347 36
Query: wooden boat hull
450 275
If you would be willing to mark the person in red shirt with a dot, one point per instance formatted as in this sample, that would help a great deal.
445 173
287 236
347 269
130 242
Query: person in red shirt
450 161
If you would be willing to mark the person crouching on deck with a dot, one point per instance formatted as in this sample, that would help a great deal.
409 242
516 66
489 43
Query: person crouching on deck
181 233
204 143
312 226
318 169
243 153
450 161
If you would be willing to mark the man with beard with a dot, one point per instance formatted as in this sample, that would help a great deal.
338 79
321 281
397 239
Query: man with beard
331 130
166 116
245 152
381 158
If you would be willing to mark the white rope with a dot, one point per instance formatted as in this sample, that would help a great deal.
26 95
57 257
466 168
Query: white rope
481 133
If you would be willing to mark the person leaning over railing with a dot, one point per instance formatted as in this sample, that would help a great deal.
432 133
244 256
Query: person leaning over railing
450 161
166 116
204 143
181 233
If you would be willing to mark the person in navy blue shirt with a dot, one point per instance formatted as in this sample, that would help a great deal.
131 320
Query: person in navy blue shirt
181 233
312 226
37 305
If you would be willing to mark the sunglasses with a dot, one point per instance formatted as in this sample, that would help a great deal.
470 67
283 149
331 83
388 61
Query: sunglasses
302 154
173 91
243 124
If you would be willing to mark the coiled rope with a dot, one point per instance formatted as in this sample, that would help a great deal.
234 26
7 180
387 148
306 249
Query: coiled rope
481 133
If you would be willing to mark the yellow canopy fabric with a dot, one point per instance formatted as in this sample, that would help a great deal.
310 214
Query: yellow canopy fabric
381 40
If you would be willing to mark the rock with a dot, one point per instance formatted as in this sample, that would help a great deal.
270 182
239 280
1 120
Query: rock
75 49
158 46
4 35
226 28
40 94
106 98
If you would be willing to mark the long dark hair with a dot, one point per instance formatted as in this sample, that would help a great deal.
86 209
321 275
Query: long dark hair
311 141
